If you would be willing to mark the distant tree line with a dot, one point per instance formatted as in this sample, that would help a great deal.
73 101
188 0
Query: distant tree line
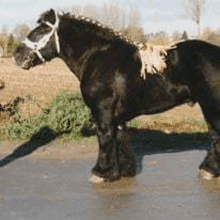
194 9
211 36
9 40
126 20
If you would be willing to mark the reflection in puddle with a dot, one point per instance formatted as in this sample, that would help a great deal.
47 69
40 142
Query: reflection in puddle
113 199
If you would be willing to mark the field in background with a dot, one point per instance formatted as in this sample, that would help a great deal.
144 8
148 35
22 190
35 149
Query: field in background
43 83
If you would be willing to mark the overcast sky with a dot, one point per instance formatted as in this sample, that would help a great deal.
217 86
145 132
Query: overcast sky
156 15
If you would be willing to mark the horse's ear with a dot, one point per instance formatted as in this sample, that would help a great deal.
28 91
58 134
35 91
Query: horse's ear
52 12
48 16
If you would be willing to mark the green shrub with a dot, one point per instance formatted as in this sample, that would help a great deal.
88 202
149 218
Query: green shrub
66 115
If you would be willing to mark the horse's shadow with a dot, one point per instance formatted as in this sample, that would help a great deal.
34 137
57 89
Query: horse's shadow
148 142
44 136
144 142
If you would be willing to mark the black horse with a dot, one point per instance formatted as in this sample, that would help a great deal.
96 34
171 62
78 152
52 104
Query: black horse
109 70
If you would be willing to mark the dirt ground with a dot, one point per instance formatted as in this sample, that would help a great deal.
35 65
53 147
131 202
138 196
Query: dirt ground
43 82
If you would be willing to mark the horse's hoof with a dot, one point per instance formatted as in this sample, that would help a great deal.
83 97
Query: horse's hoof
96 179
206 175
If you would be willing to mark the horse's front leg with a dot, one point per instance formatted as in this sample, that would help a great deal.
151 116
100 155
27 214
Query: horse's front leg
107 163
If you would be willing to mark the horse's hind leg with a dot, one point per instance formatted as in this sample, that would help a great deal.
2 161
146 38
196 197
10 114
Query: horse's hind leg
207 93
211 164
127 159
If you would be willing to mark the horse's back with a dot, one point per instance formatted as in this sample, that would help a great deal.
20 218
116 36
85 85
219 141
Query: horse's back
193 48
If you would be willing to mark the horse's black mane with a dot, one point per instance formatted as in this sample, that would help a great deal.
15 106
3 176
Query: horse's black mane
95 27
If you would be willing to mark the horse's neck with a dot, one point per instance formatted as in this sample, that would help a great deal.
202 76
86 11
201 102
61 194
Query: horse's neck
71 64
68 55
74 53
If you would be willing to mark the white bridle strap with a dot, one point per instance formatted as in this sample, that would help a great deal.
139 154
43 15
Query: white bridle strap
36 46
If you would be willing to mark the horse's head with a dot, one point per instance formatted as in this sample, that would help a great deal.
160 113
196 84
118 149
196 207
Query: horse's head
41 44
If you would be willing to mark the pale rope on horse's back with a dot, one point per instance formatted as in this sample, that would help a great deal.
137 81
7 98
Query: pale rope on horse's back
153 58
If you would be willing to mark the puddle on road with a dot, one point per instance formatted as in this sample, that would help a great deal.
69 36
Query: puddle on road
167 187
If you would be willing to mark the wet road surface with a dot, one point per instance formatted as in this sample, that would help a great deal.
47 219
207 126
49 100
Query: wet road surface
167 187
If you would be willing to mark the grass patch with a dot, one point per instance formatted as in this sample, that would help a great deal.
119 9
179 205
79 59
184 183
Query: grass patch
66 115
135 123
181 126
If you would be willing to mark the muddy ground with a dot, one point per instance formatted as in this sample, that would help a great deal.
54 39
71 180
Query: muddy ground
43 178
50 181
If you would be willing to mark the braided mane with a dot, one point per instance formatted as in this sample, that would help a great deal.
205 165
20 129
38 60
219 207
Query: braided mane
152 56
101 30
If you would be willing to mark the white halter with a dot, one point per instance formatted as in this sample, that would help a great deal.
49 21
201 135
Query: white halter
36 46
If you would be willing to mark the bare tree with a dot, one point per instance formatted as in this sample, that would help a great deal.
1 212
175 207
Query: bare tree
1 52
20 31
176 35
11 45
135 34
91 11
194 10
4 31
113 15
184 36
76 9
132 28
134 17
